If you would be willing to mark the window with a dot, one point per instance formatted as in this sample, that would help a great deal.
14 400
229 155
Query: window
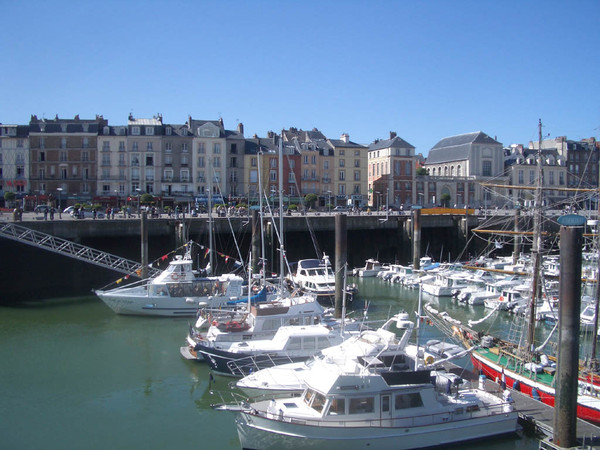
273 175
233 162
185 175
520 177
85 156
253 162
313 159
201 147
135 131
42 156
342 175
62 156
201 161
106 160
63 142
149 174
561 178
342 163
149 146
272 163
412 400
233 148
217 162
337 407
486 168
184 147
149 131
106 146
292 164
184 160
305 159
149 160
135 161
86 143
356 189
216 148
326 164
342 189
168 147
291 177
134 146
169 131
551 180
357 163
168 160
361 405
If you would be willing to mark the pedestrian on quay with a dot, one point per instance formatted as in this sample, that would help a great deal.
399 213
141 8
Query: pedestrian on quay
52 213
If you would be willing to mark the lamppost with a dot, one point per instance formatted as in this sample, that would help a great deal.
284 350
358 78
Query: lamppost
59 203
329 201
139 193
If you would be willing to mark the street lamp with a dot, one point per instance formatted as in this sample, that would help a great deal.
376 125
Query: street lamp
59 203
139 193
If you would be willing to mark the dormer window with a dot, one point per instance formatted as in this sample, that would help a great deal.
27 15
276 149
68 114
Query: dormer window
135 131
149 131
168 131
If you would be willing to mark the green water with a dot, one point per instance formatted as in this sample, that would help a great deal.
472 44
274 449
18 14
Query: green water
75 375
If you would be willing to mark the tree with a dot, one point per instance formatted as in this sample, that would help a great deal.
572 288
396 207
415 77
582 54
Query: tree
146 199
310 200
421 171
445 199
9 197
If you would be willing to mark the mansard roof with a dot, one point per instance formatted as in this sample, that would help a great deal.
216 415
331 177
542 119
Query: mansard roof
395 142
342 143
457 148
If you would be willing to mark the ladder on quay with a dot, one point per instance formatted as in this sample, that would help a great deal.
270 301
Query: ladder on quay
71 249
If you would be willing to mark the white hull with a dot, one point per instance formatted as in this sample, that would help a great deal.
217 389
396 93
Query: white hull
262 433
137 302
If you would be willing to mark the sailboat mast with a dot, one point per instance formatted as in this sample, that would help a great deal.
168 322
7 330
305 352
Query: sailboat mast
260 215
210 220
597 296
536 245
281 248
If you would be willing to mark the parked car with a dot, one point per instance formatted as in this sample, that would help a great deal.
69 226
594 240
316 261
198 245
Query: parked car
87 214
41 209
340 208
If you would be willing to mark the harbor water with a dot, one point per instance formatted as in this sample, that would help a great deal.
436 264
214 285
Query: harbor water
76 375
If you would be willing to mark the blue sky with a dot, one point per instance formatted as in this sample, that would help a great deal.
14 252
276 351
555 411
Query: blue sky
424 69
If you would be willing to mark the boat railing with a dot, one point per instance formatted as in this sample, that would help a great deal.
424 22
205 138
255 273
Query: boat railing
459 413
245 366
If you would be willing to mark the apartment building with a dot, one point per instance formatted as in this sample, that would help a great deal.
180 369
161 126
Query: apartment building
391 172
351 166
63 155
14 159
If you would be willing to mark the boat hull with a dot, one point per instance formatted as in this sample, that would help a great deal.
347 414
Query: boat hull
589 410
162 306
256 432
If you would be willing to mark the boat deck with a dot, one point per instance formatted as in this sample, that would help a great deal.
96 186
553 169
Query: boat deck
533 414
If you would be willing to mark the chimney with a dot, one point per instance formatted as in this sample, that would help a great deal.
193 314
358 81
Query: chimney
345 137
240 128
392 134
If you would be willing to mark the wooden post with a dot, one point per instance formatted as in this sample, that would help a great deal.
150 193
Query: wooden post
341 257
567 368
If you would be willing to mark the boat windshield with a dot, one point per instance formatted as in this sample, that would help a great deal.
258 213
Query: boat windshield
314 399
